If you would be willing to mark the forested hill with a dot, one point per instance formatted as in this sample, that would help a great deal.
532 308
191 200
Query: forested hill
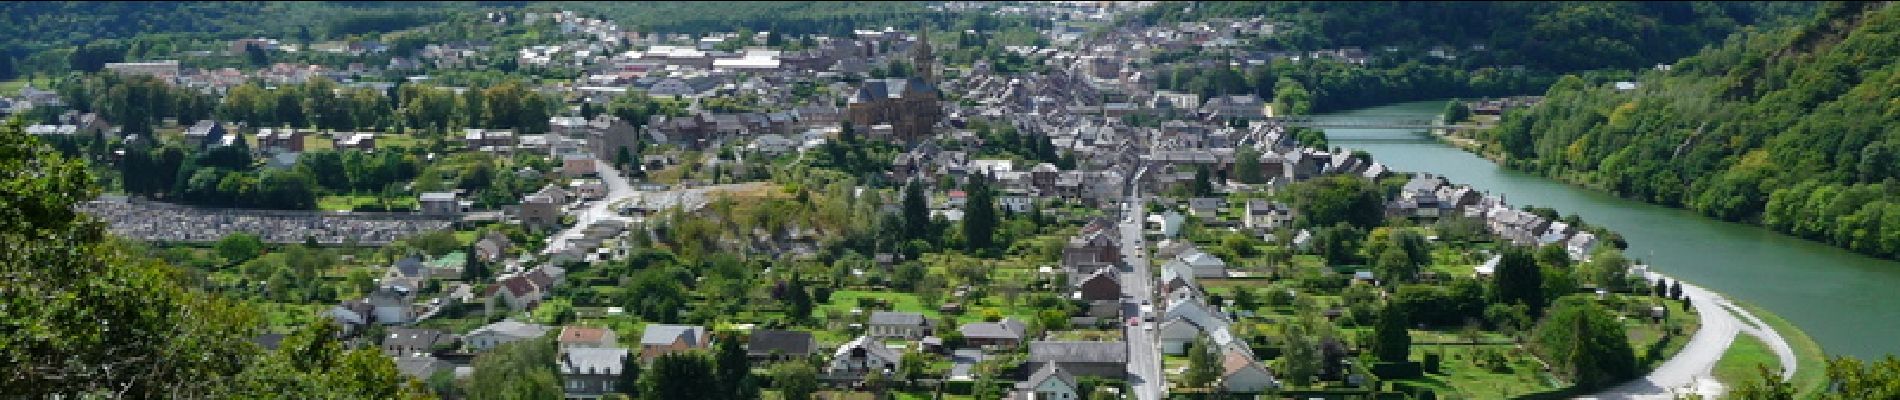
1796 129
1557 36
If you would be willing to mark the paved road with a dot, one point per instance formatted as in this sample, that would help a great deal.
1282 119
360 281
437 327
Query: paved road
618 189
1690 370
1144 357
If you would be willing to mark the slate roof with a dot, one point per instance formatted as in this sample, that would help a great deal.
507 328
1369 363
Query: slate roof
1048 371
1078 352
582 334
764 342
1008 328
897 318
592 361
661 334
513 329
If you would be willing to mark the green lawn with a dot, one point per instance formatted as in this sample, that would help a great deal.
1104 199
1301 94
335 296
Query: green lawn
844 300
1739 363
349 202
1810 374
1466 375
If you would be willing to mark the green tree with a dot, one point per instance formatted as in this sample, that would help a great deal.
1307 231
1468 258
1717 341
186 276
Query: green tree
795 380
979 216
1204 365
1247 166
628 383
1339 198
1392 341
684 375
1455 111
1301 360
1518 280
237 248
734 371
517 370
1586 343
916 212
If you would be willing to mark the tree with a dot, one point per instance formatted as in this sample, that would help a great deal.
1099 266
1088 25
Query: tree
734 370
1203 184
1675 290
1518 281
916 212
796 380
912 366
979 216
1393 342
236 248
684 375
1585 343
1455 111
1247 166
1204 365
628 383
1301 361
1339 198
517 370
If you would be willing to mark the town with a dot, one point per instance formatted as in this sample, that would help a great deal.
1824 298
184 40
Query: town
1035 200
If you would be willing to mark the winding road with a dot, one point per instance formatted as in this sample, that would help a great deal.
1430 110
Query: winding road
1691 370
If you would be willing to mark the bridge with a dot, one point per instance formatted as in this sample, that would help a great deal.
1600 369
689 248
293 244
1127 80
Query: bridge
1362 123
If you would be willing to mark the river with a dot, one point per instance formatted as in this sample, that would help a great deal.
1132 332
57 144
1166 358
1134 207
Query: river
1838 297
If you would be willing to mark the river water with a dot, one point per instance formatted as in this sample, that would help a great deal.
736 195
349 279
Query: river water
1839 298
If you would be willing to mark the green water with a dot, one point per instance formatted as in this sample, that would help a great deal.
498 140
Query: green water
1839 298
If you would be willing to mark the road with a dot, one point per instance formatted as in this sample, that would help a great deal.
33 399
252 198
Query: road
1144 357
618 189
1690 371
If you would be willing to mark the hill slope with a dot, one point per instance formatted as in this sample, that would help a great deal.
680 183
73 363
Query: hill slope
1796 129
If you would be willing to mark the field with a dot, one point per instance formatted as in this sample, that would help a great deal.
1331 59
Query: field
1810 375
1739 363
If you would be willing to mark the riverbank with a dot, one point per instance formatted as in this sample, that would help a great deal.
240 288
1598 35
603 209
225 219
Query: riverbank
1821 289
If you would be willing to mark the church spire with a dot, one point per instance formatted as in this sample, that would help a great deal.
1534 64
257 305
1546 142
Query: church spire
922 58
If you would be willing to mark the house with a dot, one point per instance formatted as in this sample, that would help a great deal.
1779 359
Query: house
360 141
907 325
439 203
351 316
590 373
393 304
1581 245
1205 265
507 331
421 367
586 337
1049 382
1265 215
410 267
1103 284
862 355
577 166
1242 374
1205 207
1101 359
406 342
663 339
778 345
517 293
492 247
1006 333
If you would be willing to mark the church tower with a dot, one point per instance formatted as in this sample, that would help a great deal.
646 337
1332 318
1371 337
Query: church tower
922 59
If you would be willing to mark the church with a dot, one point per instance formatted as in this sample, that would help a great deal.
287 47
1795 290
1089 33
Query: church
909 105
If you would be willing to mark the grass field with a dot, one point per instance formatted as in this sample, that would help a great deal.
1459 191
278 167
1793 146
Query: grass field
1472 372
1810 374
346 203
1740 361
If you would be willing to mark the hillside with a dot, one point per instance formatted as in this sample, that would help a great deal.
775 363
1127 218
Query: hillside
1558 36
1796 129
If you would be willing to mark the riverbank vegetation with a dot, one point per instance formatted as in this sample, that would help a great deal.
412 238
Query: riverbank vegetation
1790 129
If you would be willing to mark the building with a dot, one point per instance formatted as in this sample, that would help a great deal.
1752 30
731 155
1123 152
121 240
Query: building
359 141
439 203
586 337
1104 284
777 345
1101 359
161 69
1265 215
860 356
406 342
908 105
1240 373
905 325
590 373
1050 382
663 339
506 331
1006 333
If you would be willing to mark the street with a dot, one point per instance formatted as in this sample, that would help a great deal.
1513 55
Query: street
1144 357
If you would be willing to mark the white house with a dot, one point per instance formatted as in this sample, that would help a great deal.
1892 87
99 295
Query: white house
859 356
1050 382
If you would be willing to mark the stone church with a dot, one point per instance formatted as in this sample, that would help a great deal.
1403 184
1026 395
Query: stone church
909 105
